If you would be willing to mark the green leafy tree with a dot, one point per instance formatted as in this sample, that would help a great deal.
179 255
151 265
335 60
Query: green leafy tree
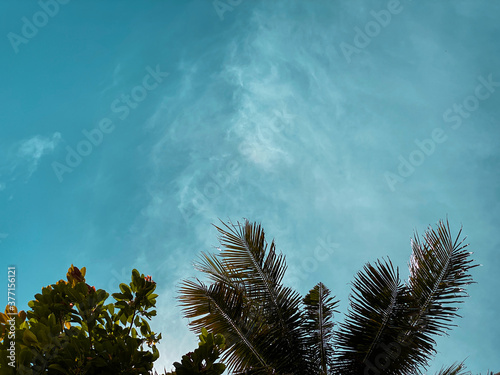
202 360
270 329
70 330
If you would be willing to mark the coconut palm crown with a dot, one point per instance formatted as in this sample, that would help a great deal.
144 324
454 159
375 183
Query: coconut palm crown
390 327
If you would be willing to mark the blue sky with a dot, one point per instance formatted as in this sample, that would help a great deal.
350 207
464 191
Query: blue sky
128 127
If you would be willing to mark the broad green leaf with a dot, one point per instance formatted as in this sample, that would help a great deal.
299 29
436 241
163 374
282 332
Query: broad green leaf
29 338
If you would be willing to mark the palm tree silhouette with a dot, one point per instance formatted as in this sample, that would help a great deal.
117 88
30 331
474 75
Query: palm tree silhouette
270 329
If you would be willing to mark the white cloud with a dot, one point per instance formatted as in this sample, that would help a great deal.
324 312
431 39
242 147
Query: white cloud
37 146
21 159
31 150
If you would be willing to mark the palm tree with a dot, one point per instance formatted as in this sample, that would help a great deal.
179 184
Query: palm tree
270 329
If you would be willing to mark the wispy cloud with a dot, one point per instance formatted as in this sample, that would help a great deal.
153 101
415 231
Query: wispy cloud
30 151
22 158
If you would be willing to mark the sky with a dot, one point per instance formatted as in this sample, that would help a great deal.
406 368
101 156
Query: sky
129 127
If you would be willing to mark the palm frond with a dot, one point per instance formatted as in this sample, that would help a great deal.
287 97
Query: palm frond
454 369
244 248
217 270
401 320
261 270
319 309
369 339
248 304
439 271
221 309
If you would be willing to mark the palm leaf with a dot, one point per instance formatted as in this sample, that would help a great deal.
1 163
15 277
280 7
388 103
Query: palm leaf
319 308
245 250
389 328
248 304
454 369
221 309
218 270
439 271
369 338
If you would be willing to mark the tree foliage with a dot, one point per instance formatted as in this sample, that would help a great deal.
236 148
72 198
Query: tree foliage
202 359
70 330
390 327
